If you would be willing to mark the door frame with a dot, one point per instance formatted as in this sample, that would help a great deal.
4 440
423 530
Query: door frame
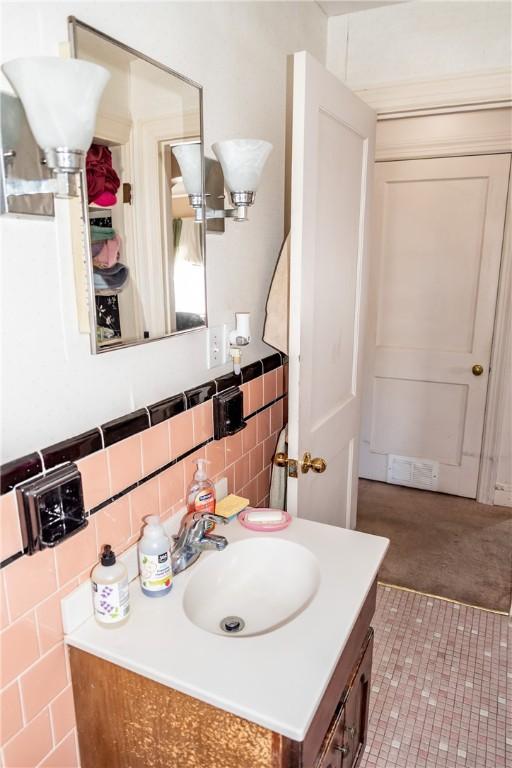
467 131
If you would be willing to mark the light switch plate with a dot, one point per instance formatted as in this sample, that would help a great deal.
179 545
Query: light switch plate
216 346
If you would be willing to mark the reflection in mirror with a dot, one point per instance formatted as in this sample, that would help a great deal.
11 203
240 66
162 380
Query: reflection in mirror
146 254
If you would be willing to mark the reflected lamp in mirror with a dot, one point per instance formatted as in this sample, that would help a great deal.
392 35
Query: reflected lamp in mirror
60 98
242 162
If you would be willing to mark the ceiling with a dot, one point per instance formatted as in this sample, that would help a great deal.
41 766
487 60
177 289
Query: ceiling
340 7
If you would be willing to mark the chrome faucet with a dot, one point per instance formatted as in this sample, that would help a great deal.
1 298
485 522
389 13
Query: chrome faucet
193 538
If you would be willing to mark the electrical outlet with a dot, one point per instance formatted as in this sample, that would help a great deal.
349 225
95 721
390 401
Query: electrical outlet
216 346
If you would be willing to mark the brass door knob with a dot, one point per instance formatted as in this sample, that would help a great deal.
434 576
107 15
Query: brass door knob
281 459
477 369
342 748
317 465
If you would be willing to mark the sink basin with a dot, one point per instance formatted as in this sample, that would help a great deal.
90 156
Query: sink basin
252 587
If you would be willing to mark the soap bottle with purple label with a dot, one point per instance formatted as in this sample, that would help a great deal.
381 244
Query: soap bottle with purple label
110 590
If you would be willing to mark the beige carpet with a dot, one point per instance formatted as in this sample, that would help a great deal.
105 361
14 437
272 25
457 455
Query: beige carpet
440 544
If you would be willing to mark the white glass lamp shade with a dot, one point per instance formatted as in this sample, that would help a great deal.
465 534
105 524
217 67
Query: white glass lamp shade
189 159
60 97
242 162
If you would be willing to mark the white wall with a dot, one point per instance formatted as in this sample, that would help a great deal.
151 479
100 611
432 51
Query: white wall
419 40
52 387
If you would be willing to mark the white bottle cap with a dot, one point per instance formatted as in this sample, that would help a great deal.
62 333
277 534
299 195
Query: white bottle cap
153 525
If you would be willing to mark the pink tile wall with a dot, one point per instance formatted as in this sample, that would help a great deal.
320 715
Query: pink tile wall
37 722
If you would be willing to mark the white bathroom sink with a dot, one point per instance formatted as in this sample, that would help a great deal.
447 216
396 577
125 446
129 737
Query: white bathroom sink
252 587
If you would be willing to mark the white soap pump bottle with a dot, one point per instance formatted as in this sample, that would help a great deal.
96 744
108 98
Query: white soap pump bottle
155 559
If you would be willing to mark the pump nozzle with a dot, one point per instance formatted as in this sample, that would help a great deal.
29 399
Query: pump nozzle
201 470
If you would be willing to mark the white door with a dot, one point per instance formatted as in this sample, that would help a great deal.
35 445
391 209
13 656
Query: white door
435 260
332 160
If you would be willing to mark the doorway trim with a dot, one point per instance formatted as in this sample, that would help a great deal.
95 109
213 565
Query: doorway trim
461 129
500 366
478 90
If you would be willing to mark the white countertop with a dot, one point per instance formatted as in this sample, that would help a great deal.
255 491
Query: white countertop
275 680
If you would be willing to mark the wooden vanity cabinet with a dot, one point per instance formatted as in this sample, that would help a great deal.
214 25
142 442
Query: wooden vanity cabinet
125 720
346 738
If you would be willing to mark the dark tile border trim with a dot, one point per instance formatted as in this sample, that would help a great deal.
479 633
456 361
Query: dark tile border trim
252 371
146 479
73 449
166 409
16 471
200 394
125 426
271 362
227 381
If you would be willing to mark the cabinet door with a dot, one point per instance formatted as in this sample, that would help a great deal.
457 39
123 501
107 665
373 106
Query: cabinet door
332 755
345 741
356 711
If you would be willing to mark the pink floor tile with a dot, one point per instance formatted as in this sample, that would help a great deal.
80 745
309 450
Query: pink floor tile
439 680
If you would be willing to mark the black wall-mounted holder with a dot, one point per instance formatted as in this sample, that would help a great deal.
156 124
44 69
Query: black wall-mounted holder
51 508
228 413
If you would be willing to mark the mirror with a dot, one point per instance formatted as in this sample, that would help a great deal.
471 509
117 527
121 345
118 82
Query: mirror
145 253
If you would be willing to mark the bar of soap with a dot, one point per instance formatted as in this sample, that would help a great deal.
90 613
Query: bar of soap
265 516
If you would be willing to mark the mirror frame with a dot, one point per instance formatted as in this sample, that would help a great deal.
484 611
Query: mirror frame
73 25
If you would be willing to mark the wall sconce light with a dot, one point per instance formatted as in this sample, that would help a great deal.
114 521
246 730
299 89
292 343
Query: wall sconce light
60 98
240 337
242 162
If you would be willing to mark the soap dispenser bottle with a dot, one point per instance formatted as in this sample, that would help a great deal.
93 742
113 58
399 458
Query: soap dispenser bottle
155 559
201 491
110 590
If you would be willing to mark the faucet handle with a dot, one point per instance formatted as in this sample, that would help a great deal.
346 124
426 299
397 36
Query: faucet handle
210 517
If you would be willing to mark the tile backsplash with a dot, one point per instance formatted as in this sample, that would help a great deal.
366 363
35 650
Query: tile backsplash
130 467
